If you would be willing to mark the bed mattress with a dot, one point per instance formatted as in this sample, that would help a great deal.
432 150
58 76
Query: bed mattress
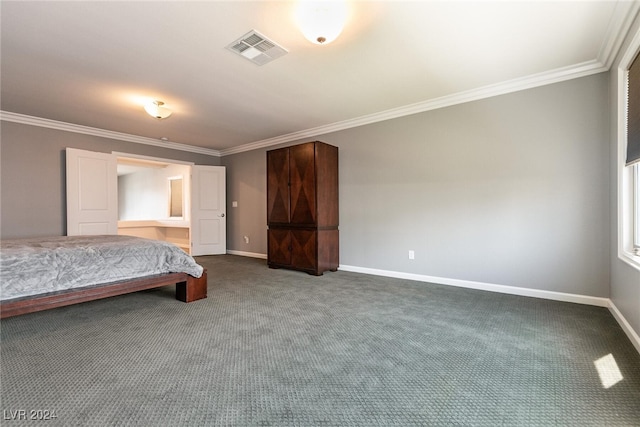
40 265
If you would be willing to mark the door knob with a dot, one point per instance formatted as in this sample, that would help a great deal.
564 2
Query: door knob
222 215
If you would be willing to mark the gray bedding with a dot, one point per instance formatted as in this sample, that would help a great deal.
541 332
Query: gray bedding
36 265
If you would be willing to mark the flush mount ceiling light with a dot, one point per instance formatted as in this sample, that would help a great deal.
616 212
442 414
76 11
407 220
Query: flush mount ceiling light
155 109
321 22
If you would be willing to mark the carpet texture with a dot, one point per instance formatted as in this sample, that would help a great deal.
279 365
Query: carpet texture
282 348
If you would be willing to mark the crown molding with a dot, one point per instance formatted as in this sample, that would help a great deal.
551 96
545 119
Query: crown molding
623 17
554 76
8 116
535 80
509 86
621 21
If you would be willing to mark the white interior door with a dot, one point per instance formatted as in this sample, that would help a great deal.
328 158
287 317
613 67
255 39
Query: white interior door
208 205
92 193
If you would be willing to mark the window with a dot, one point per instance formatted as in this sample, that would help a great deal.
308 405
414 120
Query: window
629 155
636 208
633 144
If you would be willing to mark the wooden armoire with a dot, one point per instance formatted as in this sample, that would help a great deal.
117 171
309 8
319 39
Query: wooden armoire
302 207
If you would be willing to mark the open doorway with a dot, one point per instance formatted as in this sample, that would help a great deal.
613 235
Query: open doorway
161 199
152 201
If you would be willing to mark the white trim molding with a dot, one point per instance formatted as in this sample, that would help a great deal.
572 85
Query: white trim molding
621 21
541 79
512 290
554 76
129 156
625 325
247 254
515 85
8 116
490 287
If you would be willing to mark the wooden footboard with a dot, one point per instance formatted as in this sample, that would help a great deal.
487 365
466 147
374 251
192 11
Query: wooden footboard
188 289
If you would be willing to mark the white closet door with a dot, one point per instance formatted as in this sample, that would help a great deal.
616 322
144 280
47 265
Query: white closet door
92 193
208 205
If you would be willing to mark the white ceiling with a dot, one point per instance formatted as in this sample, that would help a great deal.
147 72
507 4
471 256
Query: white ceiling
93 63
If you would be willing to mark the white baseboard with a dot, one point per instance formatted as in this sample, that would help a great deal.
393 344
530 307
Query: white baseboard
527 292
247 254
536 293
626 327
512 290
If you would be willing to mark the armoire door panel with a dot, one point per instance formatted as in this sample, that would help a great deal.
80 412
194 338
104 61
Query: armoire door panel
279 246
278 196
304 249
302 177
328 250
327 193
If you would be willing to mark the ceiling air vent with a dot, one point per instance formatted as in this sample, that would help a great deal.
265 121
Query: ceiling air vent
257 48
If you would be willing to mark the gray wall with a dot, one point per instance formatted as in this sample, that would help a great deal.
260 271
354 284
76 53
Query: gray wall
246 184
625 280
32 175
511 190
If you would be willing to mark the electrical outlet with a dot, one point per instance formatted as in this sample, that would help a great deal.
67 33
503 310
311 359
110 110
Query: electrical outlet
412 255
246 239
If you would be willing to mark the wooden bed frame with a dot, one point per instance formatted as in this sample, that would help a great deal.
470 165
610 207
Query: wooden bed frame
188 289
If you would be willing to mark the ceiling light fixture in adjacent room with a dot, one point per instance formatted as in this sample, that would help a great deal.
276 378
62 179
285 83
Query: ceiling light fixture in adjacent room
157 110
321 22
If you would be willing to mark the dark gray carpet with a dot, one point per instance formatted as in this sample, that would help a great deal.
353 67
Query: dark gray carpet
282 348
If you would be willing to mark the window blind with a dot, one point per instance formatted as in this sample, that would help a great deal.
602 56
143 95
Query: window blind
633 113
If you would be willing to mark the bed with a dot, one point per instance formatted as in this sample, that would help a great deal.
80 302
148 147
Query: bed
37 274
